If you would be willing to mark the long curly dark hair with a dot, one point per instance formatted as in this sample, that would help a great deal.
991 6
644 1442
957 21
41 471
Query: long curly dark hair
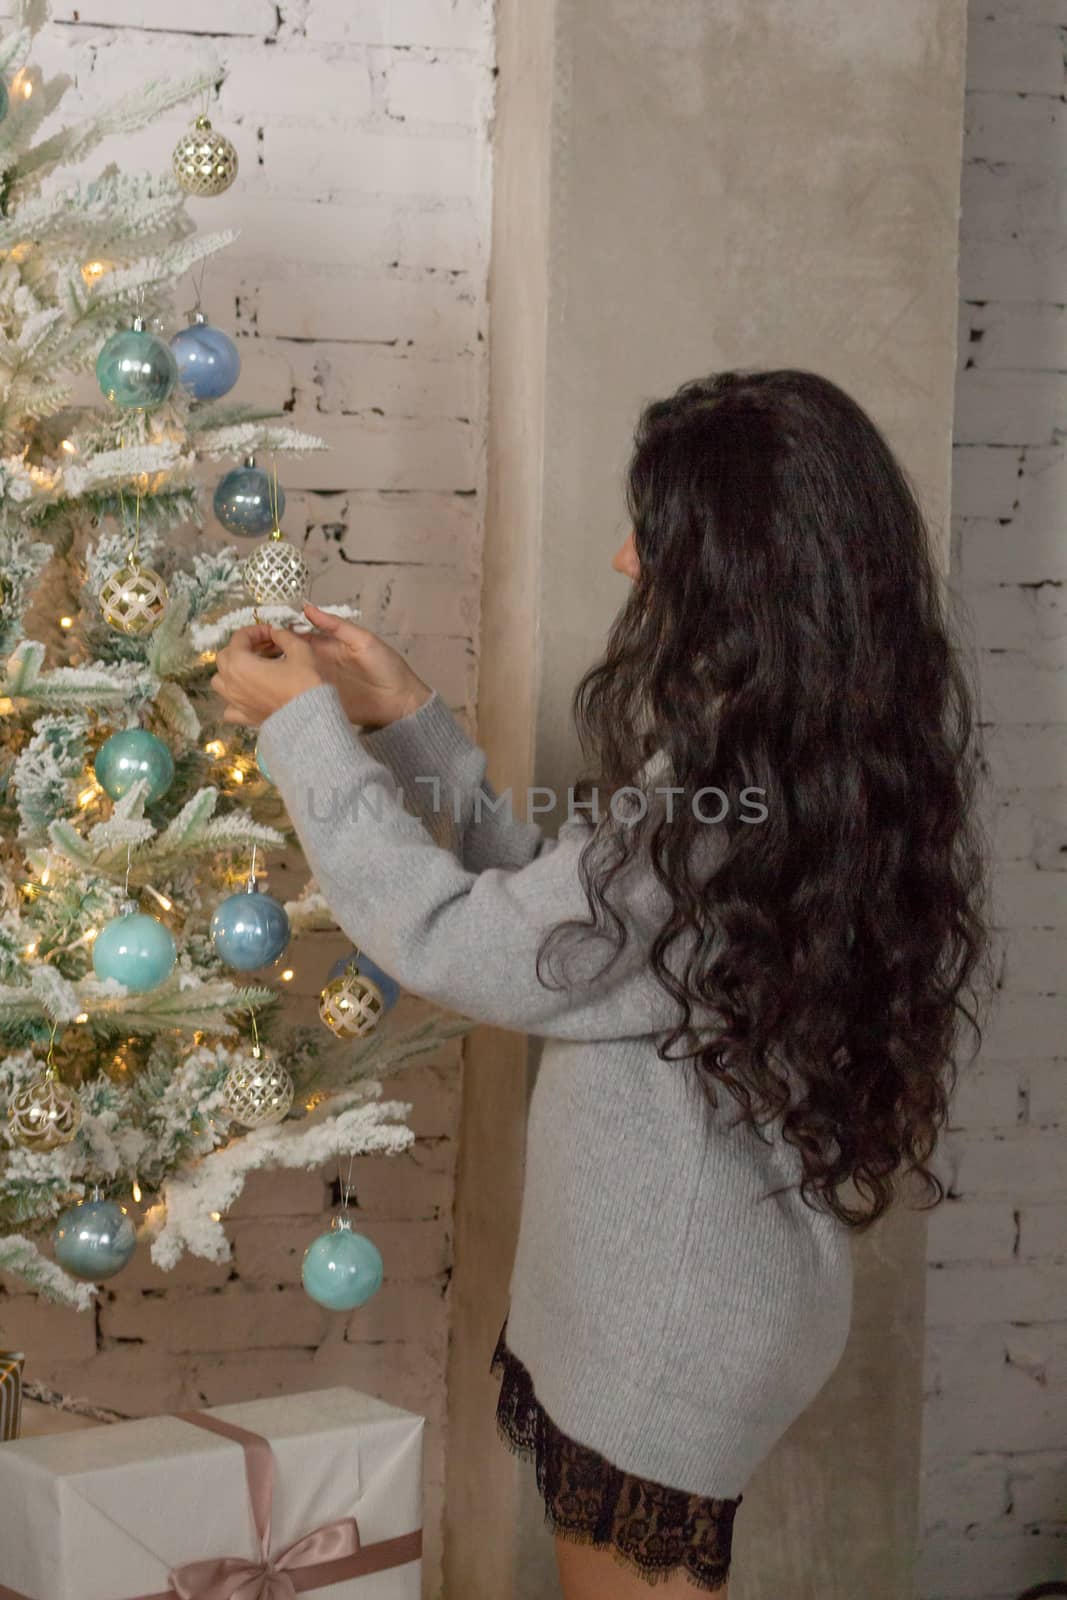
788 633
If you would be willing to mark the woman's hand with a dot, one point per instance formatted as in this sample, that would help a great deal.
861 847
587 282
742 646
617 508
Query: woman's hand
262 669
375 683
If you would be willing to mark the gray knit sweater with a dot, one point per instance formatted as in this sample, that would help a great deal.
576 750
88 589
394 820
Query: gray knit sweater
672 1317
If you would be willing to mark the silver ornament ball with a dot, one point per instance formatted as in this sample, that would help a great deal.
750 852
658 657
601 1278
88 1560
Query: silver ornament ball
276 573
351 1005
133 599
205 162
258 1092
44 1115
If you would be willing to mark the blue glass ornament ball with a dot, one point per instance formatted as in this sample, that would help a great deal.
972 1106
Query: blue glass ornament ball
132 754
243 502
342 1269
250 930
368 969
137 949
262 765
94 1240
208 363
136 369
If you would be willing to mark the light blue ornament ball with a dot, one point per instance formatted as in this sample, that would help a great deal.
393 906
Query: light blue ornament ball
243 501
136 369
136 949
4 101
250 930
94 1240
342 1269
261 764
369 969
132 754
208 363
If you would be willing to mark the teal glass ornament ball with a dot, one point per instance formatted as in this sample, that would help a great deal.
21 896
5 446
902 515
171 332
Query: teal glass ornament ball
342 1269
250 930
138 950
208 363
94 1240
132 754
244 502
262 765
368 969
136 369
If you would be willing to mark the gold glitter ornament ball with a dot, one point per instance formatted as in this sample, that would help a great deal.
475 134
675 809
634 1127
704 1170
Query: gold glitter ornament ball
351 1005
133 599
276 573
258 1091
44 1115
205 162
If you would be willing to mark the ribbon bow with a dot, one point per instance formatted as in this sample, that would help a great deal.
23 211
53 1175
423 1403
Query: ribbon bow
268 1578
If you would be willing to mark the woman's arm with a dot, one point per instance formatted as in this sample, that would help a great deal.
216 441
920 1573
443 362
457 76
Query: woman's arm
465 939
442 775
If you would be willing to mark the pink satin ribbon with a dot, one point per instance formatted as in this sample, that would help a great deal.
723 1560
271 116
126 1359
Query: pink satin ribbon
330 1554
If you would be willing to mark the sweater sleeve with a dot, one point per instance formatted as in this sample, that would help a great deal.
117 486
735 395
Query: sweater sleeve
466 940
441 774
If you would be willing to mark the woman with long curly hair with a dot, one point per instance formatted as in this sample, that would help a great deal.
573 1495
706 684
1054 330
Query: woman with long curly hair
751 948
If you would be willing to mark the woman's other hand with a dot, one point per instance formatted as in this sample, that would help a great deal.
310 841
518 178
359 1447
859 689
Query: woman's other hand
374 682
260 670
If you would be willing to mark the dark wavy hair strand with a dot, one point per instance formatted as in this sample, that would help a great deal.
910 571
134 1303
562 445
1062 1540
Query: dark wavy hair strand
788 632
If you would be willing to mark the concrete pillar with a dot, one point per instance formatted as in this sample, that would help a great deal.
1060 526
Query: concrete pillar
679 189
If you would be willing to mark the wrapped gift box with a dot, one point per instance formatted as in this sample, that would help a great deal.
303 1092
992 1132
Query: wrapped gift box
176 1505
10 1393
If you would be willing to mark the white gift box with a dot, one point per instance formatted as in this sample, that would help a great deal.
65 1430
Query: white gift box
110 1513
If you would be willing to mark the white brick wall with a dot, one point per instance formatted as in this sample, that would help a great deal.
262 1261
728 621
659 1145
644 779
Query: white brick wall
357 293
995 1423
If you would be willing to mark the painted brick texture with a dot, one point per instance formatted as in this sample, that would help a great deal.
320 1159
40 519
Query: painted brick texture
357 293
995 1416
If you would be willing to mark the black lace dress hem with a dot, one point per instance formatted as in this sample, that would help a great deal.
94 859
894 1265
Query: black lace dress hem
650 1528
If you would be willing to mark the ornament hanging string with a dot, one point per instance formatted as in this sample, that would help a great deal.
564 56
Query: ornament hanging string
345 1187
51 1071
257 1048
199 283
134 550
274 493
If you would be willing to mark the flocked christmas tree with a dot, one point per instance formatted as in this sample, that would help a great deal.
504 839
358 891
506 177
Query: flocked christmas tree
137 1059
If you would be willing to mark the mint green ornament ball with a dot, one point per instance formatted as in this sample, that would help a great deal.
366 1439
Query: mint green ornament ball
342 1269
136 949
132 754
136 369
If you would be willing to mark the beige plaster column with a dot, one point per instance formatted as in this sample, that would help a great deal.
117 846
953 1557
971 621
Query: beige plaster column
679 188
